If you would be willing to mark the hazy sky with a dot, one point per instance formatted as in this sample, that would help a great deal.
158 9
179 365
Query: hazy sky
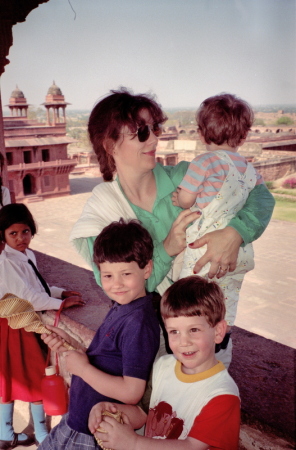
181 50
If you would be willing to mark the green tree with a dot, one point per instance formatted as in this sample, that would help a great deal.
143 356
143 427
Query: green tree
258 122
285 120
36 114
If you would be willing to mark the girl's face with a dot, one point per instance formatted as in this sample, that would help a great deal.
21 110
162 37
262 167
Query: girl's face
18 236
131 155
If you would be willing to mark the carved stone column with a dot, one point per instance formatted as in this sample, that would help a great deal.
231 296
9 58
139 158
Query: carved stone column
11 12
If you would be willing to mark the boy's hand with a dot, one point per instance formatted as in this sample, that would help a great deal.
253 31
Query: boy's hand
117 436
76 362
56 339
95 415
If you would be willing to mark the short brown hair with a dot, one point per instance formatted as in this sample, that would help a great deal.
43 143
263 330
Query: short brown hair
194 296
224 118
124 242
108 117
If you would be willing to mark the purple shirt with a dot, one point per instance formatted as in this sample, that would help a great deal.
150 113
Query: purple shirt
125 345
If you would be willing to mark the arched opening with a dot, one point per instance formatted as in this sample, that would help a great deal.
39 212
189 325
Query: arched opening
29 185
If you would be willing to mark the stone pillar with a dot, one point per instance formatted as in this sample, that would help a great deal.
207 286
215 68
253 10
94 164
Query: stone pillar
2 146
47 116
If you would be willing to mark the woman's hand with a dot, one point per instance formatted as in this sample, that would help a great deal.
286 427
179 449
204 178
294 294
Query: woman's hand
95 415
175 242
222 251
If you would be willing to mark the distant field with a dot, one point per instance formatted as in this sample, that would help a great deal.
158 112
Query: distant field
285 209
291 192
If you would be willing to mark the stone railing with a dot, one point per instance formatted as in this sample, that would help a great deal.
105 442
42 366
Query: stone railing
42 164
276 168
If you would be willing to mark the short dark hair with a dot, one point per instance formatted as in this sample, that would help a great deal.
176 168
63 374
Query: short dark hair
118 109
16 213
123 242
224 118
194 296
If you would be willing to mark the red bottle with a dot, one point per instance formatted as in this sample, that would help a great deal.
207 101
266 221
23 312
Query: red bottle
54 392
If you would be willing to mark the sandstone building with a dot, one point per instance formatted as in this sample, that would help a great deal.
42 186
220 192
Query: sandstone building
36 153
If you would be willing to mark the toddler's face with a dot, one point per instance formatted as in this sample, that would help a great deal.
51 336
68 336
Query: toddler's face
18 236
124 281
192 340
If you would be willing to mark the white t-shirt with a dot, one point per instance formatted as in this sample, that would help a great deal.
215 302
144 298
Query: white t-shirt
177 398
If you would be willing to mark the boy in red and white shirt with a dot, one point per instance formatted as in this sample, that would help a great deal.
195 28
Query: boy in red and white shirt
194 399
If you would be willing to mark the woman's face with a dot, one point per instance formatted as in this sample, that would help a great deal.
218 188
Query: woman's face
132 155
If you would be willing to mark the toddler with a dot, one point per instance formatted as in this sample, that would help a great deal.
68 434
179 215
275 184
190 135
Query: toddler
217 184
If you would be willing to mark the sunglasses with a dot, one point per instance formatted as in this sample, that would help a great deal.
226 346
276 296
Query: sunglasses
143 131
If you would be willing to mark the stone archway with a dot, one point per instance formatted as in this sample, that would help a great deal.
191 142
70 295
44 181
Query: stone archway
29 185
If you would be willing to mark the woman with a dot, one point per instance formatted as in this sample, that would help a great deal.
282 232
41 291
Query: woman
124 130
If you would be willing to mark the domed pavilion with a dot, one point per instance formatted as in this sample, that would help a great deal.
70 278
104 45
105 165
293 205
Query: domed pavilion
38 165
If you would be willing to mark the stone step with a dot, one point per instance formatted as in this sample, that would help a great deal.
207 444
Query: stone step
34 198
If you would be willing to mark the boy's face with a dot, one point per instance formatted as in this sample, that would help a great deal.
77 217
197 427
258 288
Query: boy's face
192 340
124 281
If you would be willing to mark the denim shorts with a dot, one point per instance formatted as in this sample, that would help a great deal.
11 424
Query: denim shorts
62 437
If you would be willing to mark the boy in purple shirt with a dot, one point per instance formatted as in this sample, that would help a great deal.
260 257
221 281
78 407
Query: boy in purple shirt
119 359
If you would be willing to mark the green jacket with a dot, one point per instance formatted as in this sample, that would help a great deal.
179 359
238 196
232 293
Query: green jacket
250 222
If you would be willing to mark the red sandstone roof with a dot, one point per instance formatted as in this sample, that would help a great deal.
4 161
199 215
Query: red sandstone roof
54 90
38 141
17 93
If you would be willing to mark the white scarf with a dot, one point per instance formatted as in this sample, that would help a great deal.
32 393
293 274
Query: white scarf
107 204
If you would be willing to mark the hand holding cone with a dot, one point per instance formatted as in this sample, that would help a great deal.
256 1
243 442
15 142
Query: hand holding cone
20 314
116 416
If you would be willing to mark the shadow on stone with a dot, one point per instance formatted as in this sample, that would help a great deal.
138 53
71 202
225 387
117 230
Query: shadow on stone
264 371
